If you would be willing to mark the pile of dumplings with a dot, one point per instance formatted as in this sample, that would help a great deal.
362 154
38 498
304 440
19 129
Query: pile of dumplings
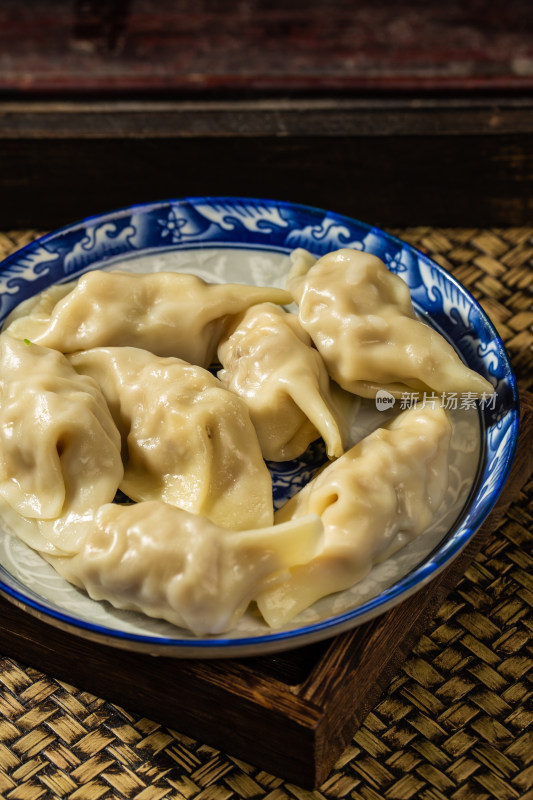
105 389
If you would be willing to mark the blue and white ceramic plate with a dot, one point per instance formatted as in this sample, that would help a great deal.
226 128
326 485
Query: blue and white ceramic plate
249 241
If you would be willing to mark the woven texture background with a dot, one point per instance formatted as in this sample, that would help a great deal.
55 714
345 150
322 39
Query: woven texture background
456 721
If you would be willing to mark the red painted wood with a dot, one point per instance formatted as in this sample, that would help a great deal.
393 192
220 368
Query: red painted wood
316 46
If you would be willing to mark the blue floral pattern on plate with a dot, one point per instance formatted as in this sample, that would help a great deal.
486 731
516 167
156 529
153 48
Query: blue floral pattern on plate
276 227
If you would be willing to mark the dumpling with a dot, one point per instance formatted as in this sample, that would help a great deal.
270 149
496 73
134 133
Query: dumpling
378 496
168 313
268 360
40 305
362 321
168 563
59 447
186 439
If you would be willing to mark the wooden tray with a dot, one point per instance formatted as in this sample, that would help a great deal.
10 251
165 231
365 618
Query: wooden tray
291 714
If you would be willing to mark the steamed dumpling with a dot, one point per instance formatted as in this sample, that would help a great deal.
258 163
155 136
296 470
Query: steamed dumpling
40 305
378 496
168 563
362 321
168 313
268 360
186 439
59 446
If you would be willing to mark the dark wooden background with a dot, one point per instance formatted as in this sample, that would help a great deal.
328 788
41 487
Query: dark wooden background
398 113
265 45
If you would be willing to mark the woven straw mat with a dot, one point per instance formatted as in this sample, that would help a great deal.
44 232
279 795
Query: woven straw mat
455 721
